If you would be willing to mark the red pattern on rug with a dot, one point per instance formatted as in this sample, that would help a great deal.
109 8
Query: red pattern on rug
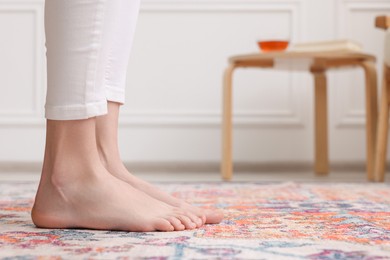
263 221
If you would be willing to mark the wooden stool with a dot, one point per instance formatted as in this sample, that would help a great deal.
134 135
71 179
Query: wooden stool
317 64
383 125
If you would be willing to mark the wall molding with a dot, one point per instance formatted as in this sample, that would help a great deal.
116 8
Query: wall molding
210 118
347 116
291 117
27 117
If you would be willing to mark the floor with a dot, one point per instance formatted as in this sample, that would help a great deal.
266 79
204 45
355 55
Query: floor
263 220
283 219
305 176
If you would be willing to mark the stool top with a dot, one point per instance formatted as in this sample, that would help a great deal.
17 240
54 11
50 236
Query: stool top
324 59
295 54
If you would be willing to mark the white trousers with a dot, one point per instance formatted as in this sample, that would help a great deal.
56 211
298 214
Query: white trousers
88 44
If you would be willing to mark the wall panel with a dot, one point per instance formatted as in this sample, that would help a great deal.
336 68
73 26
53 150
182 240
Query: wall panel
173 108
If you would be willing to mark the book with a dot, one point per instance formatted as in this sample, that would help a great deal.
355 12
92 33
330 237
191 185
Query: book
336 45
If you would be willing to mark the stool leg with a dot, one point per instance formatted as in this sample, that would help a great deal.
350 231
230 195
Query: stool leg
321 123
383 126
227 151
371 116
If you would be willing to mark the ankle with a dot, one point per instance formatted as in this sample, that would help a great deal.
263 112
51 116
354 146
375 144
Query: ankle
67 170
71 152
109 157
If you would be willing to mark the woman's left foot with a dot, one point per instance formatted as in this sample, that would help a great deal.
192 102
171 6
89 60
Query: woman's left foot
106 139
207 215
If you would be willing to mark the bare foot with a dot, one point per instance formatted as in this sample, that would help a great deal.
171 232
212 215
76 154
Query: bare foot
101 201
76 191
106 139
208 216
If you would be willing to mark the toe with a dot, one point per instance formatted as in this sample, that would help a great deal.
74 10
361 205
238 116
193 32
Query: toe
213 216
187 222
163 225
196 211
201 214
195 219
176 223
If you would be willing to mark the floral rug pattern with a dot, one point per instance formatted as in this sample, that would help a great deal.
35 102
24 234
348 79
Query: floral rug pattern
263 221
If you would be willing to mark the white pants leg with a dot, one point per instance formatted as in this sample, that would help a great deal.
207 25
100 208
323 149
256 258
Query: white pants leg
88 44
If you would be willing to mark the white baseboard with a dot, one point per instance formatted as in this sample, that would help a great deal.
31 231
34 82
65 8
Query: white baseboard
32 167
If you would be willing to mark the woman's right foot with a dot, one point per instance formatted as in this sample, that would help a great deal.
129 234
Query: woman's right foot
101 201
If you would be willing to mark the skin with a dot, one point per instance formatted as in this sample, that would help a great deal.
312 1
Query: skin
106 133
85 185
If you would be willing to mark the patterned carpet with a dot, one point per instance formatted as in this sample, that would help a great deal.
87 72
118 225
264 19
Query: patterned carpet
263 221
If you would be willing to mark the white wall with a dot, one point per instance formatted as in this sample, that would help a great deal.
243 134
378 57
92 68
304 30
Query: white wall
175 74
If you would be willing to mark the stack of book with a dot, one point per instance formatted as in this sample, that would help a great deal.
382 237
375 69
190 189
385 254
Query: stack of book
327 46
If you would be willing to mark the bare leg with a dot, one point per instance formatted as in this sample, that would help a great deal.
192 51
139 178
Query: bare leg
106 134
76 191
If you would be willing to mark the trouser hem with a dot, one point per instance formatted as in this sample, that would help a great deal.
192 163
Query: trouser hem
115 95
76 112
